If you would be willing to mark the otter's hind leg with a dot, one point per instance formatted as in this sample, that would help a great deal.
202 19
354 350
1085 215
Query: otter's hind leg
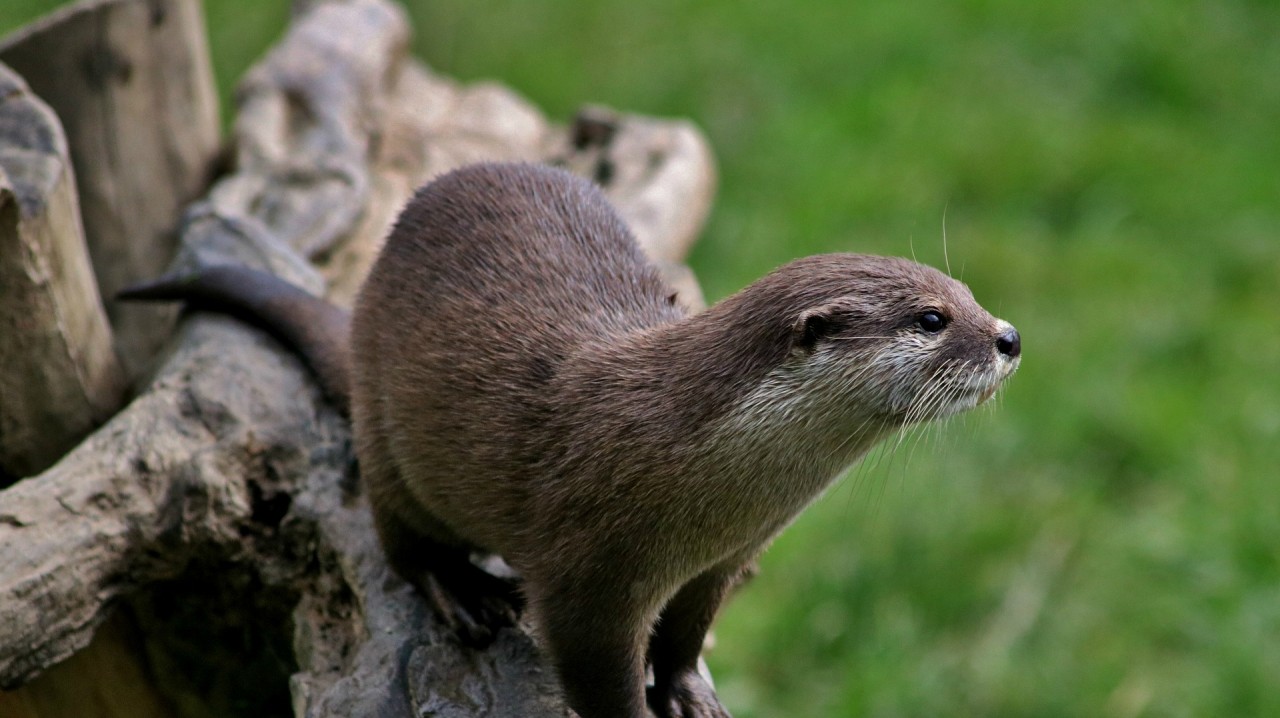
474 602
427 554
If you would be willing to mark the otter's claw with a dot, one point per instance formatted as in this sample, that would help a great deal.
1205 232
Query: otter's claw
686 696
475 612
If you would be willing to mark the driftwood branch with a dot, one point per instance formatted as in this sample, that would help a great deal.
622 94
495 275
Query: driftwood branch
229 470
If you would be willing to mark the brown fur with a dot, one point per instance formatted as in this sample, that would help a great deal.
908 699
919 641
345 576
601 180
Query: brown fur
523 385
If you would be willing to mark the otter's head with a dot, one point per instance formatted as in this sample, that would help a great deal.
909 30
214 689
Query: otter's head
888 341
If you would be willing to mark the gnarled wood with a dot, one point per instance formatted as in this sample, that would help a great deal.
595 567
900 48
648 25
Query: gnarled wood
132 83
60 377
231 459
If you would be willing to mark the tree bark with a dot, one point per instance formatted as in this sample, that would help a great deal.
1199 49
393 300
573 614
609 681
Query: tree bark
132 82
60 375
227 487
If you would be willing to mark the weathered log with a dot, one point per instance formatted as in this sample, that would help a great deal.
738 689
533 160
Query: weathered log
665 203
132 83
230 464
60 376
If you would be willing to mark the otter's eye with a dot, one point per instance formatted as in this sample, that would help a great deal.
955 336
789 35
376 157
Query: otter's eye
931 321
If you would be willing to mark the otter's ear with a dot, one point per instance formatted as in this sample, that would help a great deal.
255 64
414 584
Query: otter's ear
811 326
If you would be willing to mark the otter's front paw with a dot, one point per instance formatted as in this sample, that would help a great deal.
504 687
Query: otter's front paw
686 696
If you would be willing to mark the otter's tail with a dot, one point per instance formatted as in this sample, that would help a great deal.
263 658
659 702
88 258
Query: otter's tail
313 328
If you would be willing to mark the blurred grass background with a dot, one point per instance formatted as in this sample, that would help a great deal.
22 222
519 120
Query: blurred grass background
1106 541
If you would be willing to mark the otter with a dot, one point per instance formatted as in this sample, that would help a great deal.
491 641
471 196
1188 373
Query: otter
521 383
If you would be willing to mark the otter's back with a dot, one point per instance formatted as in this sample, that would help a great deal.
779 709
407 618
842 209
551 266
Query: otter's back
492 275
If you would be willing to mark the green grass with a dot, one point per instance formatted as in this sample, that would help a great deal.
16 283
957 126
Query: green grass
1106 541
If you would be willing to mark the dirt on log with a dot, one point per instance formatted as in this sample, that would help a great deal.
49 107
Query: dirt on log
217 520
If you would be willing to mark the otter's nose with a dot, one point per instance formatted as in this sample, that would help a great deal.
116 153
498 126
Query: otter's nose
1009 343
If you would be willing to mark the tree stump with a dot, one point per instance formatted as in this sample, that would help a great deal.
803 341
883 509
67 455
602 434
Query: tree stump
216 520
132 83
60 377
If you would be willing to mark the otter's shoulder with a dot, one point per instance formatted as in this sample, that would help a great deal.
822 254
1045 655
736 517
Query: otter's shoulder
494 197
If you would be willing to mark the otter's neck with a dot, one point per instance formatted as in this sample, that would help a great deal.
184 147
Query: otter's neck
722 396
709 402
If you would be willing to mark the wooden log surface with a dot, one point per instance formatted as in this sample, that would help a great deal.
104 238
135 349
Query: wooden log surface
60 376
132 82
231 458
